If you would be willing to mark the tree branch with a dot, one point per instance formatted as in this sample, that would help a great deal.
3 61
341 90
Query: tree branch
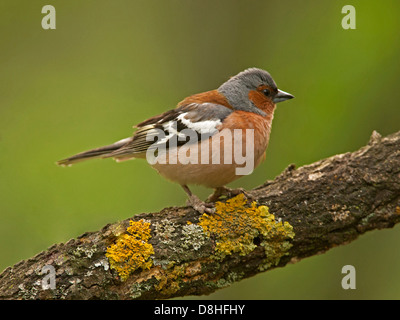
316 207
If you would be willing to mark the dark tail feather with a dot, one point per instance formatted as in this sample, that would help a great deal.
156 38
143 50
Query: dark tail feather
94 153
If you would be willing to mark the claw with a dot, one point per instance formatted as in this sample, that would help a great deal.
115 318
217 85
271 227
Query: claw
197 204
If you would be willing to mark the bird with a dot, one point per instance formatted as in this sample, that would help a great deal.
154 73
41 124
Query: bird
201 141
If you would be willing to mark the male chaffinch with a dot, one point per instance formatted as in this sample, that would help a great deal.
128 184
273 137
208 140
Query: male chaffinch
245 102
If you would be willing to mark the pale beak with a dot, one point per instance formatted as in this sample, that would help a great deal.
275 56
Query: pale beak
282 96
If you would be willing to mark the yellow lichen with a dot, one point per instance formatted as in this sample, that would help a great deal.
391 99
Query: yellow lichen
131 250
169 280
238 228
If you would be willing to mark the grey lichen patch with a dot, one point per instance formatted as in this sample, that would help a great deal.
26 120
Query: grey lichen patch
177 244
231 277
165 230
224 281
28 293
193 237
138 288
101 263
368 218
84 251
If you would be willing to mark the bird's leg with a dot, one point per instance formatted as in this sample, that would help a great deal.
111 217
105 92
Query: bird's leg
228 193
196 203
218 192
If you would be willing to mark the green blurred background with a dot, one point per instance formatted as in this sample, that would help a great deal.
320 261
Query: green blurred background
112 64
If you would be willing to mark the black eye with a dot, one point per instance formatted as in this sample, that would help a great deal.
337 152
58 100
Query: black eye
266 92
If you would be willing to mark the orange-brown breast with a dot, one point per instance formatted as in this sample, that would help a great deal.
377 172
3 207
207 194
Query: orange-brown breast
249 120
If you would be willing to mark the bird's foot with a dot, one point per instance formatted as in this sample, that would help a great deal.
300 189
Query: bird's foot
228 193
197 204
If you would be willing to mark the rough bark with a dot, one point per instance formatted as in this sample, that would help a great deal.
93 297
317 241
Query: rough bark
328 203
